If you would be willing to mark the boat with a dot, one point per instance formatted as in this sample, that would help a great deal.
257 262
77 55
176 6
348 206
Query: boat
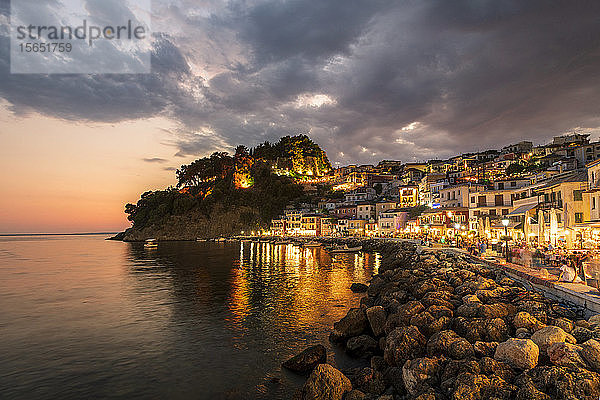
151 243
345 249
282 242
311 244
221 239
201 240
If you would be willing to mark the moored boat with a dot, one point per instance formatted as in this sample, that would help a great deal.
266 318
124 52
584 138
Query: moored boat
345 249
151 243
311 244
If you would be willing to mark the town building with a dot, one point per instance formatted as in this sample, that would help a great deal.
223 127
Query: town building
366 211
384 206
408 196
391 221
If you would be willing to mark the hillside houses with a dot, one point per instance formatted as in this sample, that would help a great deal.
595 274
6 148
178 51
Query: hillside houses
544 194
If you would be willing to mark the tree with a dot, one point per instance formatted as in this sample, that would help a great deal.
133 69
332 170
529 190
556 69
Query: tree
514 169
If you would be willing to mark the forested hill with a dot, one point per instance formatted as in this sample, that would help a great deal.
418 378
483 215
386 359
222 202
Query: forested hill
224 194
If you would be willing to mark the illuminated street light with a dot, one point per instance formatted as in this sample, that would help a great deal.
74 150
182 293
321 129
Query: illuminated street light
505 222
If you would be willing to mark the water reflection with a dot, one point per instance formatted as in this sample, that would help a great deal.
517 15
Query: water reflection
85 318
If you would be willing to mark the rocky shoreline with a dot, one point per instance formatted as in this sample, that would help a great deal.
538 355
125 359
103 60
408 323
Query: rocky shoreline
440 325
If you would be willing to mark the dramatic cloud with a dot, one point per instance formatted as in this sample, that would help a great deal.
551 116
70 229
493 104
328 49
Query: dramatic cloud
368 79
155 160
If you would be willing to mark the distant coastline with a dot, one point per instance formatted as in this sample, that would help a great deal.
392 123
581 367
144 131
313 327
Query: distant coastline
59 234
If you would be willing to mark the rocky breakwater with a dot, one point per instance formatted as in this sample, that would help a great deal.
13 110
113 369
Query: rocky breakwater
438 325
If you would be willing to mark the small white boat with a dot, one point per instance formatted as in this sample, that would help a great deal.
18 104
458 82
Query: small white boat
312 244
151 243
345 249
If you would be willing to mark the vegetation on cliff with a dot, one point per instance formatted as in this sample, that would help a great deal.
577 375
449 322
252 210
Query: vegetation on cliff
223 194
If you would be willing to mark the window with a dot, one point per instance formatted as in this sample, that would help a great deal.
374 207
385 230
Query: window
578 218
593 203
505 211
481 201
577 195
499 200
513 184
493 211
472 199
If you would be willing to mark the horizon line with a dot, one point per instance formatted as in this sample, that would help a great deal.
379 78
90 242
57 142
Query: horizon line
59 234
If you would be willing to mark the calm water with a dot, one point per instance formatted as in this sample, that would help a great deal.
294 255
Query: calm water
81 317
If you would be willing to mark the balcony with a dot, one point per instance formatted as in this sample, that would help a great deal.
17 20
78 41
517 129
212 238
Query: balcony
547 205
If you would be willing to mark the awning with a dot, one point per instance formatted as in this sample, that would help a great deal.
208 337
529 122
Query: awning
521 210
499 225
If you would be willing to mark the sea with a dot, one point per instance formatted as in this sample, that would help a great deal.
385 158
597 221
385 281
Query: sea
82 317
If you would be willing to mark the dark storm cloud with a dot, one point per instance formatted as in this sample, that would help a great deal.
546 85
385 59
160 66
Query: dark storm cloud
155 160
367 79
284 29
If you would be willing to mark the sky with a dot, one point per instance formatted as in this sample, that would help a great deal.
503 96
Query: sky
366 79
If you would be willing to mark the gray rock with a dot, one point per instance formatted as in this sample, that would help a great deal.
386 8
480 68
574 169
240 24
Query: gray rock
547 336
518 353
403 344
361 346
353 324
359 287
307 360
325 383
376 316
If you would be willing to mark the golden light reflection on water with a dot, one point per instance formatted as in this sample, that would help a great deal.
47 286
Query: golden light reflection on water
296 286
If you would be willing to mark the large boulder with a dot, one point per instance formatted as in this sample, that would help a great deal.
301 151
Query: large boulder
361 346
566 382
407 310
424 321
582 334
590 352
471 386
549 335
481 329
355 395
485 349
449 344
498 310
376 316
565 354
518 353
525 320
565 324
420 373
325 383
359 287
403 343
353 324
440 311
367 380
307 360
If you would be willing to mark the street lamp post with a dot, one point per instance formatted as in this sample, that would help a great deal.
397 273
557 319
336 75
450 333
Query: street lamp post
456 230
505 222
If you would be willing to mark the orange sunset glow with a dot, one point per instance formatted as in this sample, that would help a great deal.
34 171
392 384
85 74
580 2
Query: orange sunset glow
66 177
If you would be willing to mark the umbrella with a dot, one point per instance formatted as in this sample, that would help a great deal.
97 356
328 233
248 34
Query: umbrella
526 227
541 238
481 227
553 226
